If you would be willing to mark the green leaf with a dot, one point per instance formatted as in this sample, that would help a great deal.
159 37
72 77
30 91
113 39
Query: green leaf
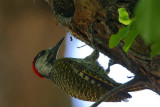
148 20
115 38
124 16
130 37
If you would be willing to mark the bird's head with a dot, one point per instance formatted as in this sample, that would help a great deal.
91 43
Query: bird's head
42 63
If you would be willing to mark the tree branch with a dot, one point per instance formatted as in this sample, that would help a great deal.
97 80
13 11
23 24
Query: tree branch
77 15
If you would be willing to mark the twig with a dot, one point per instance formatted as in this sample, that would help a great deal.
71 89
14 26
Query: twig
81 46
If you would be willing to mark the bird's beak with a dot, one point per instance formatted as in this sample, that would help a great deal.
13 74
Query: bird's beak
54 51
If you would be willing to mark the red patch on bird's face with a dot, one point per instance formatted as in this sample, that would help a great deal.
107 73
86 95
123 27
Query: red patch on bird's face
35 71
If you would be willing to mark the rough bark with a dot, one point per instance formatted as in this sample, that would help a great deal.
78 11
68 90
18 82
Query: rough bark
77 15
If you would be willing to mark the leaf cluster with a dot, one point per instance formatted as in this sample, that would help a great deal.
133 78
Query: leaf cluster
146 23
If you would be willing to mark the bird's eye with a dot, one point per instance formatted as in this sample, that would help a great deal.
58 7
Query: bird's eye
42 53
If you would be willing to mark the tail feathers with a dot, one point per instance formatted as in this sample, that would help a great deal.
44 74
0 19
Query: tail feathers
124 95
121 96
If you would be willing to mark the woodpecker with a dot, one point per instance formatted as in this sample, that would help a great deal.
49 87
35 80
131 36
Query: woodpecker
83 79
